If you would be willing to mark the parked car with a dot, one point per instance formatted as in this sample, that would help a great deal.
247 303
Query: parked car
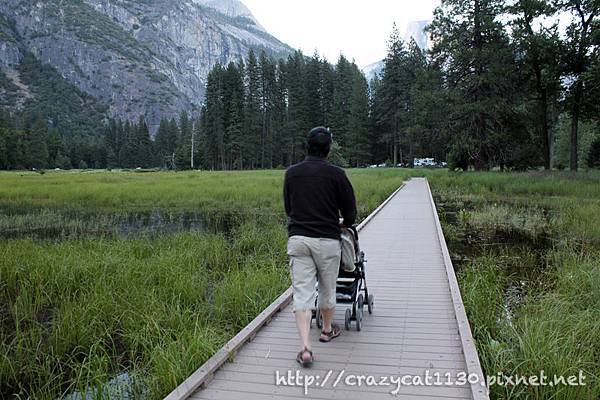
424 162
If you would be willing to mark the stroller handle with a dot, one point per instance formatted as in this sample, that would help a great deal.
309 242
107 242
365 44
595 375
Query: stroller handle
352 228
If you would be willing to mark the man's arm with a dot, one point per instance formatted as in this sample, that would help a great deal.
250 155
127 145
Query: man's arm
347 201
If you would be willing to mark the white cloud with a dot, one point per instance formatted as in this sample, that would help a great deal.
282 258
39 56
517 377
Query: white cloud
357 28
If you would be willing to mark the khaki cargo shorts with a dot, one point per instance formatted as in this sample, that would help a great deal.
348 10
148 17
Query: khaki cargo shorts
312 260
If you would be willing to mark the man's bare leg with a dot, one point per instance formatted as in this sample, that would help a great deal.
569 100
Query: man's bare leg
327 319
303 318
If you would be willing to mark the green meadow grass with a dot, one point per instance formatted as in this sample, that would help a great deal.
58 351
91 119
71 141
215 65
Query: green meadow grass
78 308
76 311
531 277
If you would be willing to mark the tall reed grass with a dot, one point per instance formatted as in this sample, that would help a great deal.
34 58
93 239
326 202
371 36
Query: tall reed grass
79 309
529 275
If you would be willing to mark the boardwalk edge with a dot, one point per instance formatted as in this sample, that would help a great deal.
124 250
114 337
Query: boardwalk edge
479 390
203 375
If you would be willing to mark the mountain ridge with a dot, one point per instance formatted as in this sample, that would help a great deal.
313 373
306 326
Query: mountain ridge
147 57
415 30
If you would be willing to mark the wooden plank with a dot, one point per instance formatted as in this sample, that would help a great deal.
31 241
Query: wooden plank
237 395
201 376
432 337
324 368
415 327
380 392
380 357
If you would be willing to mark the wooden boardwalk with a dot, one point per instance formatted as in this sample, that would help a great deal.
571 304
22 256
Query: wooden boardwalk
418 328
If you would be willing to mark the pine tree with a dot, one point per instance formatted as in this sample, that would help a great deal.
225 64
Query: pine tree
297 124
127 152
120 137
539 55
4 143
212 121
341 106
143 145
184 147
165 142
268 92
55 147
314 91
6 139
358 148
580 44
429 117
279 156
36 150
415 65
196 145
252 109
164 148
377 120
594 154
235 132
472 45
236 143
394 90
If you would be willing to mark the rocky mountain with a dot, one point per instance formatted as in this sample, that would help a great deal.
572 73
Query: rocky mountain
414 31
373 69
233 9
135 57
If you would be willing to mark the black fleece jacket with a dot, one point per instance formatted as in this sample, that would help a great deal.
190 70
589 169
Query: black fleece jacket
315 194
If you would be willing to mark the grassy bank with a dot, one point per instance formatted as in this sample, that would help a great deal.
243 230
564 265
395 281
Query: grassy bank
81 303
528 253
85 295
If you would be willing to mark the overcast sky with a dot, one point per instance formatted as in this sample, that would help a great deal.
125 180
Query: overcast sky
357 28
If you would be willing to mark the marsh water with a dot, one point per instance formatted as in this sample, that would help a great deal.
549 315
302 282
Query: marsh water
520 248
123 387
63 223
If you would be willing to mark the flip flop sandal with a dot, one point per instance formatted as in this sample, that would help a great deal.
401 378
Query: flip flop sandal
329 336
302 361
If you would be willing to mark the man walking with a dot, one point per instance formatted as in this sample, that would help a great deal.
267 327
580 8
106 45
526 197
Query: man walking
316 193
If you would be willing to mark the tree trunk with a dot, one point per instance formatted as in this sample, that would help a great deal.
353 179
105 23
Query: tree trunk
401 157
575 124
544 130
543 100
481 162
543 113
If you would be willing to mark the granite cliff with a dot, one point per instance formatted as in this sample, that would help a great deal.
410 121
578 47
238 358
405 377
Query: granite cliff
147 57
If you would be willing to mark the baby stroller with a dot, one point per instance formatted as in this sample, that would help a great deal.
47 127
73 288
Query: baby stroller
351 287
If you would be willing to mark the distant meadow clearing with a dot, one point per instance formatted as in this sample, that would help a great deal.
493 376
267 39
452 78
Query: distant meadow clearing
114 282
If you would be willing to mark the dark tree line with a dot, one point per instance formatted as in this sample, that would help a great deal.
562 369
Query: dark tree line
488 94
257 114
508 78
31 144
497 89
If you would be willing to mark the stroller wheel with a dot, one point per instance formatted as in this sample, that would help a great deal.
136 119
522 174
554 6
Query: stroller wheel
360 303
359 317
319 319
370 301
347 319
